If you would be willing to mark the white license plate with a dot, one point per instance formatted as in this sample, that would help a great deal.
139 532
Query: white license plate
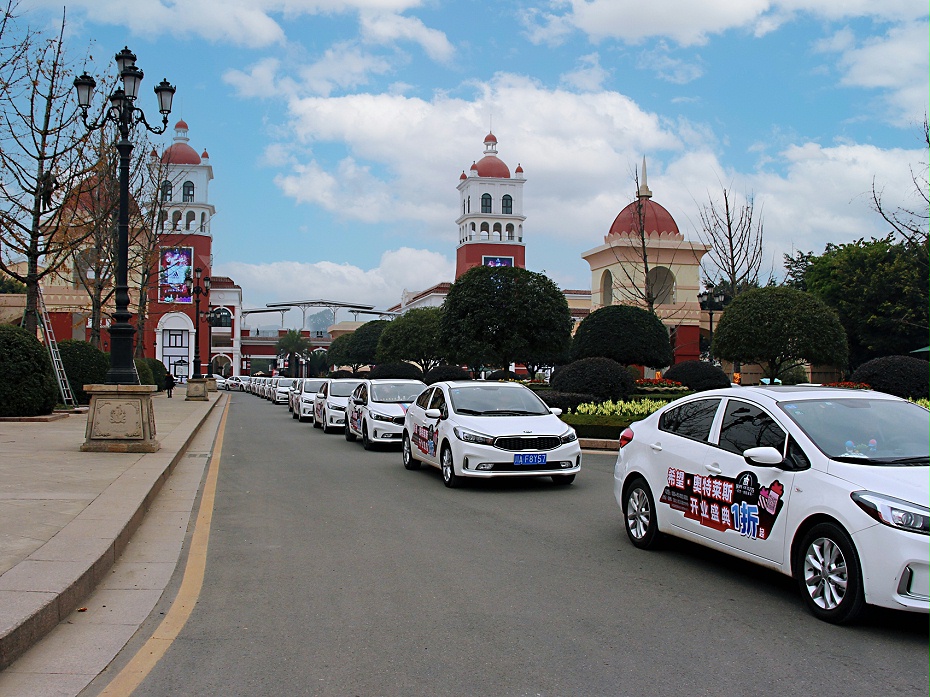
529 459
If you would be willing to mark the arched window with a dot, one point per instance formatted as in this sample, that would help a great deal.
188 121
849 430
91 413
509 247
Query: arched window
497 231
162 219
485 231
660 282
507 205
203 222
166 191
221 317
509 229
188 192
175 220
607 289
471 232
189 219
485 203
469 205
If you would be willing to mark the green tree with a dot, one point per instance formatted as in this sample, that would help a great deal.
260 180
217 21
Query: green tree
11 285
293 345
363 349
779 328
879 289
340 352
626 334
502 315
413 337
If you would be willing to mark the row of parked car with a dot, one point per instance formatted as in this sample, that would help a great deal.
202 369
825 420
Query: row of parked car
464 428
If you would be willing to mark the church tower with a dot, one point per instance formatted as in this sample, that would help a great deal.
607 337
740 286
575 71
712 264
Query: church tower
490 214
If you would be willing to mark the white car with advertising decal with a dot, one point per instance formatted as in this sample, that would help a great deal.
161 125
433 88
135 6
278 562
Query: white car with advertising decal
377 409
282 390
827 485
476 429
308 387
330 403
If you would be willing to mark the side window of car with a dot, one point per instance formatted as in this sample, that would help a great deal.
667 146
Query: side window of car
363 392
423 399
691 420
747 426
324 389
439 402
796 459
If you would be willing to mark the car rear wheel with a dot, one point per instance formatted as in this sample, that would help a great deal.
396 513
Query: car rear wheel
410 462
563 479
349 435
639 514
449 477
316 421
828 573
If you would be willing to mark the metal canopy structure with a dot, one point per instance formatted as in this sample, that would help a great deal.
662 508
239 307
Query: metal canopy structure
246 313
331 305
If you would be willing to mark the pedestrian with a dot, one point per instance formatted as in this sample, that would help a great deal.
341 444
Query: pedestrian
169 383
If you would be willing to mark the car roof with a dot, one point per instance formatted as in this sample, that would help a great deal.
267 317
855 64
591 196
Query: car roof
393 381
784 393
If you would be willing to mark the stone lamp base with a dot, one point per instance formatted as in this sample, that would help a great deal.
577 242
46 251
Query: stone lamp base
197 390
121 419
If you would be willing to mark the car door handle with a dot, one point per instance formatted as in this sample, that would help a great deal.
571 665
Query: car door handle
656 446
713 468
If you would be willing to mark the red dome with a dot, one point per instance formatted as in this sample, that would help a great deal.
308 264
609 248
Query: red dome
181 125
490 138
180 154
463 175
656 220
519 168
490 166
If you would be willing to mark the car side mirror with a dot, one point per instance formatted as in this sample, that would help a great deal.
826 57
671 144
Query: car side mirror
358 400
555 410
432 414
765 456
321 395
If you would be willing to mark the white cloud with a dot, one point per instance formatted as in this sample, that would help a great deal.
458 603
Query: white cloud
589 76
389 28
674 70
382 286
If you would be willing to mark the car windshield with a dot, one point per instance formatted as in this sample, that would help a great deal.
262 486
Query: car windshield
342 389
870 431
496 400
395 392
313 385
285 384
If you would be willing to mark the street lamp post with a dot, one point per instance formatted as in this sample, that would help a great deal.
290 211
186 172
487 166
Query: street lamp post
198 291
124 113
712 301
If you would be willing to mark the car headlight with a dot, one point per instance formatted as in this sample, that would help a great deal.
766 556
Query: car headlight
336 407
380 417
472 437
569 436
894 512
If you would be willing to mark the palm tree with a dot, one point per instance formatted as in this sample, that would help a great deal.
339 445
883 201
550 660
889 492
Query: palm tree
294 345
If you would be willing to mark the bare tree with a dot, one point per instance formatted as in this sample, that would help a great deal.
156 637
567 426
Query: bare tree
42 155
733 231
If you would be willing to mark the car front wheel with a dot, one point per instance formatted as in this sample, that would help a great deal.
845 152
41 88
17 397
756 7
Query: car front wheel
639 514
449 477
410 462
367 443
828 573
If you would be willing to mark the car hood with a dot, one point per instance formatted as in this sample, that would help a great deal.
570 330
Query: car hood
390 408
543 425
905 483
341 401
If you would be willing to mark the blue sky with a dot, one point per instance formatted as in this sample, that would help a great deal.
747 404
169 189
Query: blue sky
337 129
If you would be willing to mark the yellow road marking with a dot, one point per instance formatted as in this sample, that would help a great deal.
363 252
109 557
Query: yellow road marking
132 675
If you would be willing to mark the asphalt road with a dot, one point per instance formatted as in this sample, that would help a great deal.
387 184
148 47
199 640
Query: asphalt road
334 571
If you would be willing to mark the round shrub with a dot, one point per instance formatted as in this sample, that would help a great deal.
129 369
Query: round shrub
601 377
27 383
85 365
566 401
159 371
442 373
698 375
144 372
902 376
629 335
400 371
503 375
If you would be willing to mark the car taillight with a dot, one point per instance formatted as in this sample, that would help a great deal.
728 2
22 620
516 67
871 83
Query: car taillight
626 436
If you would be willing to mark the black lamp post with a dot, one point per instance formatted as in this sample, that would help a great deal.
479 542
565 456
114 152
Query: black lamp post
124 113
712 301
213 317
198 291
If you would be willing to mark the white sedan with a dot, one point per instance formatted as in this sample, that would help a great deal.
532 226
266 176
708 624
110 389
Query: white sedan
329 404
377 408
488 429
827 485
303 400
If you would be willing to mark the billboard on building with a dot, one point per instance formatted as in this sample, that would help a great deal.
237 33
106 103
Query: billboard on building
175 274
496 261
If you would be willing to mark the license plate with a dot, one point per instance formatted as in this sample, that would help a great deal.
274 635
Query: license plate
530 459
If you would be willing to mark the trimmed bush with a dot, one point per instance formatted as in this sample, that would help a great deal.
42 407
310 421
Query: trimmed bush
902 376
698 375
145 373
85 365
601 377
566 401
342 373
629 335
159 371
503 375
441 373
403 371
27 383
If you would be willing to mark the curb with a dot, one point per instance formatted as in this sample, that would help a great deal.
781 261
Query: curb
29 612
599 444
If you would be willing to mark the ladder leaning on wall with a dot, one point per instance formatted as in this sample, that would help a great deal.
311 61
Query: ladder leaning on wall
63 385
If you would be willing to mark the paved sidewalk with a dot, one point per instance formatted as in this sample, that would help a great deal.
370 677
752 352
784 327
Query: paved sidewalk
66 516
